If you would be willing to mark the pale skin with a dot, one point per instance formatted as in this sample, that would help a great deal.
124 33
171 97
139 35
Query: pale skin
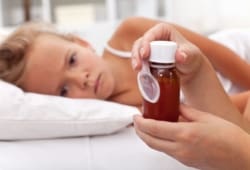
214 135
119 82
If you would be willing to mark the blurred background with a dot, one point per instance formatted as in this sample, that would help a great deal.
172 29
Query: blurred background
204 16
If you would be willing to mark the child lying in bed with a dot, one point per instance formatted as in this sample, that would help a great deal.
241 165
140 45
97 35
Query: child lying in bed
43 61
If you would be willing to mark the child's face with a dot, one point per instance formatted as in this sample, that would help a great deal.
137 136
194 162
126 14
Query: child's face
59 67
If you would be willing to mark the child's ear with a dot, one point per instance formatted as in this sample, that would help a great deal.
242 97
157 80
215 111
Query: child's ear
82 42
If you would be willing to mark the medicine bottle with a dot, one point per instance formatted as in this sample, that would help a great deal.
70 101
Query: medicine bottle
162 67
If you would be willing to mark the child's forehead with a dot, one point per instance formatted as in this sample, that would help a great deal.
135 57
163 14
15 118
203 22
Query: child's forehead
49 41
51 37
48 45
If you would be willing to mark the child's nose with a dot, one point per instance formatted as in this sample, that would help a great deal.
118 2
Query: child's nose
84 81
80 79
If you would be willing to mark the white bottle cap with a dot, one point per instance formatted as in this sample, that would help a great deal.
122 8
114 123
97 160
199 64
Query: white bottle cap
162 51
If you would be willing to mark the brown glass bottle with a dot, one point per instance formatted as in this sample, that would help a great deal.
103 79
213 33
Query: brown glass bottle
167 106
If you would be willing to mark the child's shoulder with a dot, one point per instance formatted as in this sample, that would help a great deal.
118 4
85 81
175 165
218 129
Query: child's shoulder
127 32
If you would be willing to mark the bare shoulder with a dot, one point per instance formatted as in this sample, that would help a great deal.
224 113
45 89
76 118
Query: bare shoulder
129 30
134 23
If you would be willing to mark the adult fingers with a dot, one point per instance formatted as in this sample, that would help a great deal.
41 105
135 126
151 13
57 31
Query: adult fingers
162 31
192 114
160 129
159 144
141 47
136 55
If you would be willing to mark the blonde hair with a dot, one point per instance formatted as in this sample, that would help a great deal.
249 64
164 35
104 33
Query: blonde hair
14 48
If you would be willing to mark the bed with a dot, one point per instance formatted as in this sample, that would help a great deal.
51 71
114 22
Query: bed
119 150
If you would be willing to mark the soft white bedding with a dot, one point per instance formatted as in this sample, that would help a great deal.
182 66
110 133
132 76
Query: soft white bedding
120 151
35 116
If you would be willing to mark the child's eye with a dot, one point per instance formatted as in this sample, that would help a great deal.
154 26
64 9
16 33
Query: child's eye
64 91
72 59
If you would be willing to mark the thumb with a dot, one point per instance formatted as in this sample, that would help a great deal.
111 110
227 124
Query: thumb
192 114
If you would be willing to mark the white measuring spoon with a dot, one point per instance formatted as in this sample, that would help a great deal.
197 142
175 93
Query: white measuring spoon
148 85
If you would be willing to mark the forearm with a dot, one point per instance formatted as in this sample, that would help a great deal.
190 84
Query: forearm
198 94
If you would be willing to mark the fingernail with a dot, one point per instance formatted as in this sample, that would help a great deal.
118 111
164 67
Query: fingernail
142 51
184 56
134 63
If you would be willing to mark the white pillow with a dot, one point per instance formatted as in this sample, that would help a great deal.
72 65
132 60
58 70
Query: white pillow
33 116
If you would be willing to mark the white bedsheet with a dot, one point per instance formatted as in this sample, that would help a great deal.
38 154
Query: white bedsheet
120 151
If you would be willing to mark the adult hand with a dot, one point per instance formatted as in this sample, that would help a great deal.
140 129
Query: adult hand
205 141
188 56
199 83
